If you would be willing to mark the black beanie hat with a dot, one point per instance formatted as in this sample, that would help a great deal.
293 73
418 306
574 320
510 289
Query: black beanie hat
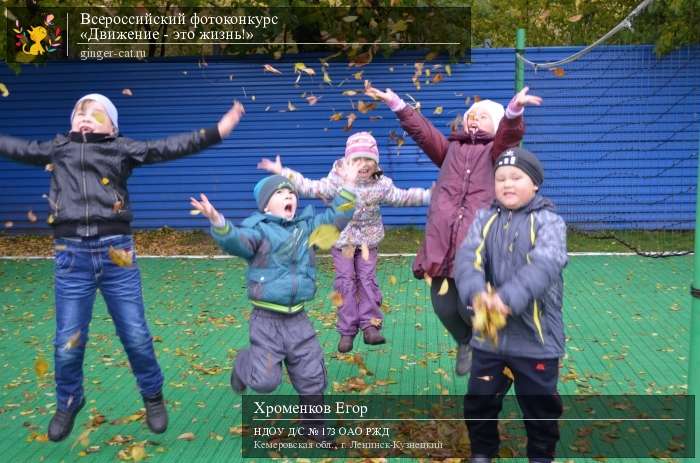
523 160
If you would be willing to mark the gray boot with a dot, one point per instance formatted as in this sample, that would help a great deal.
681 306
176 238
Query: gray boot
464 359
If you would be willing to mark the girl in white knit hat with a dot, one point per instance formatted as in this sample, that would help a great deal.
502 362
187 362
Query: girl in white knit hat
355 252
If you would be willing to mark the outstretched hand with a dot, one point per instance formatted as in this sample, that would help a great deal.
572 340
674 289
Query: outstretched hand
274 167
208 210
348 171
230 119
387 96
522 99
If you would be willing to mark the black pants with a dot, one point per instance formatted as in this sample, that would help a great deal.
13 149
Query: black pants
536 392
447 308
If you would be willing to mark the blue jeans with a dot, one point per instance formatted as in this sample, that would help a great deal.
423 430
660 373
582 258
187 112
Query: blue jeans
81 267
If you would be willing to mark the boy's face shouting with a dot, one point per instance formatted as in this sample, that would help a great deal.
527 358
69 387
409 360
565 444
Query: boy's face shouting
282 203
479 119
91 117
514 188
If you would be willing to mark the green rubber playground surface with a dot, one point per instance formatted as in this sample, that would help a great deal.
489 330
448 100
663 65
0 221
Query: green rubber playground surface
627 324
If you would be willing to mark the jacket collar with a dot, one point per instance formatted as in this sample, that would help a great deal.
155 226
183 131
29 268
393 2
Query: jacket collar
258 217
480 137
90 137
536 204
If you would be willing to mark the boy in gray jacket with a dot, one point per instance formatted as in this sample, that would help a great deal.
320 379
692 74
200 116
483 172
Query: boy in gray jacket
518 246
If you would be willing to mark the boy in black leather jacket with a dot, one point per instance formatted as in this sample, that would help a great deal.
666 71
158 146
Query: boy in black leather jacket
91 217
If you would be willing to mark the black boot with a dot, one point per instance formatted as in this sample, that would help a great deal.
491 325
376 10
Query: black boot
62 423
156 414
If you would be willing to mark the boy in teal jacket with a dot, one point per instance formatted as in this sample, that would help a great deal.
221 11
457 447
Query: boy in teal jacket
281 278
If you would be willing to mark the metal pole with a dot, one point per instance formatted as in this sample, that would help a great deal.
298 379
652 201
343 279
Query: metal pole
519 65
694 356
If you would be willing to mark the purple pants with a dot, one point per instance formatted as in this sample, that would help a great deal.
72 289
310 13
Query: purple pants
356 282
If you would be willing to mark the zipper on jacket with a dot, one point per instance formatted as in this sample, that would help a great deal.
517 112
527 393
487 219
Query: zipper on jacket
82 166
292 272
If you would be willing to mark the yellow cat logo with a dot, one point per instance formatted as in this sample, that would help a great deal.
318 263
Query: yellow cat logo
36 34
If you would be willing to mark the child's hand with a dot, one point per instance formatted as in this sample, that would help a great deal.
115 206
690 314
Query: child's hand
522 99
348 171
494 302
390 98
274 167
230 119
206 208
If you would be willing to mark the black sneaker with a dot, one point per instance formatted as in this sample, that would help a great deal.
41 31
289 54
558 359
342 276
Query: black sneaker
62 422
236 384
156 414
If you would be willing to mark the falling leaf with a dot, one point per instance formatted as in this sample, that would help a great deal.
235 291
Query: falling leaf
50 219
104 181
312 100
375 322
350 120
361 59
365 252
327 78
72 341
350 93
271 69
428 279
438 110
336 298
9 224
477 98
120 257
448 70
41 366
358 75
4 90
431 56
336 116
31 216
127 92
364 108
558 72
99 116
437 78
48 167
444 287
324 236
393 136
290 106
575 18
349 19
392 280
188 436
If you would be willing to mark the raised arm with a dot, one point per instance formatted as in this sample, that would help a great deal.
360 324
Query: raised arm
177 146
429 139
325 188
241 242
399 197
512 128
27 152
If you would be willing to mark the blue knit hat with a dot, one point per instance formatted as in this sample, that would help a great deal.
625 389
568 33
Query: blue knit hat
266 187
106 103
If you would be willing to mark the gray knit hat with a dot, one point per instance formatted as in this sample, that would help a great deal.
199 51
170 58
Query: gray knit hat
523 160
